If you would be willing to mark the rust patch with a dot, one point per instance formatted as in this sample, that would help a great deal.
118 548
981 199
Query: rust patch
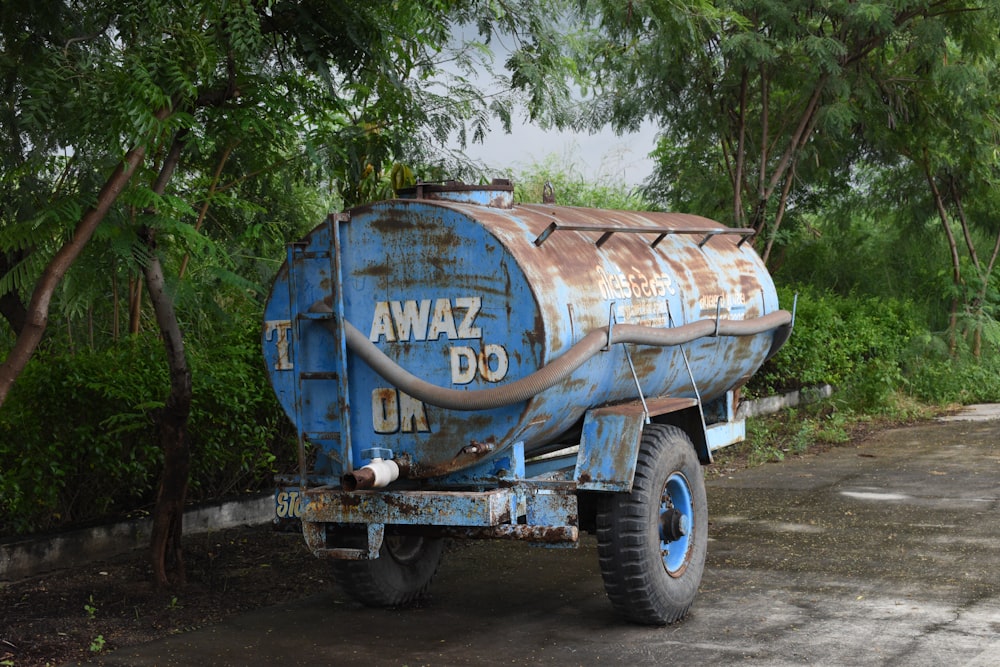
469 455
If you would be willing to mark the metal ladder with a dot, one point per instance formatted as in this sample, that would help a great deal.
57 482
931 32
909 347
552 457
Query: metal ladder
296 254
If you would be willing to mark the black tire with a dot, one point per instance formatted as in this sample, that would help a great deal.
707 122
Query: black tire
399 576
650 581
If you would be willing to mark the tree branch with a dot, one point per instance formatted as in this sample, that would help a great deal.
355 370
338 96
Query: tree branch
966 232
38 308
740 153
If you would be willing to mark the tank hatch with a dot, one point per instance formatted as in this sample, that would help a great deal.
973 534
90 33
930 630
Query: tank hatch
498 194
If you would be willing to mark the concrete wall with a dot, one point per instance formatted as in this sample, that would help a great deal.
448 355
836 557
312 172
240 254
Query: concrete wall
35 556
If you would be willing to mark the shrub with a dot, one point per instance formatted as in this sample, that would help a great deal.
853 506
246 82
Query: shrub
874 351
854 343
78 435
934 375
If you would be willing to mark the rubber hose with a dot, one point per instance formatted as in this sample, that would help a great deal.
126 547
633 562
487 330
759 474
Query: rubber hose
553 372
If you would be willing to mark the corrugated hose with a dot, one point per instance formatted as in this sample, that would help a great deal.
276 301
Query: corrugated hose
554 372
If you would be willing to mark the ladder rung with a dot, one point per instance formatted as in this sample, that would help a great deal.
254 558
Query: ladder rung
322 435
315 316
319 375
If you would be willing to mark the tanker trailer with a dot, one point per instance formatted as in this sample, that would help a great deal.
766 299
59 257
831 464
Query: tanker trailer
457 366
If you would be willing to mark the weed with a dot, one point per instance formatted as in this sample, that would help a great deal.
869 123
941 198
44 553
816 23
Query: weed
97 644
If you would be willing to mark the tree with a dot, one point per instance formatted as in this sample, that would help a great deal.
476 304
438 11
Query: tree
933 133
757 101
131 112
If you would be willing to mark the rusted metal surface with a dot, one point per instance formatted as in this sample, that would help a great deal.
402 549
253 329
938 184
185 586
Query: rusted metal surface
499 194
362 478
467 291
548 535
489 508
609 445
547 511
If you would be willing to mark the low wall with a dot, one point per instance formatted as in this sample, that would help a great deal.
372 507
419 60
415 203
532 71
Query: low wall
37 555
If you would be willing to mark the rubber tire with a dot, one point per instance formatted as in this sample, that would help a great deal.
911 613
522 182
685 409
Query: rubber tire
401 574
632 563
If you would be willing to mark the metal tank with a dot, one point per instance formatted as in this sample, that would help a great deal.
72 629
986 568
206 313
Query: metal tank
460 366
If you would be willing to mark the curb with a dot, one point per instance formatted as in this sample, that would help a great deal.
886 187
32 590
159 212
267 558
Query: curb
27 558
771 404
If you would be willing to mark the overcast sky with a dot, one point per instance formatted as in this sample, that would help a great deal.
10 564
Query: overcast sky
598 157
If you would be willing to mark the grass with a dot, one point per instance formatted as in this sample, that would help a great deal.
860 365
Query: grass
810 429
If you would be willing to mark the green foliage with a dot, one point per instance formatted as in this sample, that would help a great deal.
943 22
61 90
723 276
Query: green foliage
78 437
769 110
854 343
570 188
282 111
794 431
934 375
878 353
238 433
90 608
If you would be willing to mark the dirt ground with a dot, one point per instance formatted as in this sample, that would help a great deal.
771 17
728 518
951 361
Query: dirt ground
75 614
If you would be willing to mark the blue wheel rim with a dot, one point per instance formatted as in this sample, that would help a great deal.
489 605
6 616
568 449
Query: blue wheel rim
676 496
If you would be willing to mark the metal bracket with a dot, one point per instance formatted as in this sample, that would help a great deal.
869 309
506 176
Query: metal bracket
612 320
694 384
635 378
611 326
607 231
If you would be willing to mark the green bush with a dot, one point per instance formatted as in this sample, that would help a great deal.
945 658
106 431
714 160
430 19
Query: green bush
934 375
78 435
854 343
873 350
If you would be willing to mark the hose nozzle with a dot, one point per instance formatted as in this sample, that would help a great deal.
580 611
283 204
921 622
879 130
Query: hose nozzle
377 474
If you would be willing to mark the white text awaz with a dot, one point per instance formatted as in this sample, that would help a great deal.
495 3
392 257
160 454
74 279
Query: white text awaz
427 320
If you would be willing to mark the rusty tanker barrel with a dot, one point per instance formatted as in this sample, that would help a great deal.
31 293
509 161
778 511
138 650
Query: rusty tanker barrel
440 329
460 367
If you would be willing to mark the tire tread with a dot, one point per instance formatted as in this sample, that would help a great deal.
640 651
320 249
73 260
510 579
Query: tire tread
622 536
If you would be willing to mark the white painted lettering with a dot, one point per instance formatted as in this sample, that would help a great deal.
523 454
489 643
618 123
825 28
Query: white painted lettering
472 304
385 410
411 320
278 331
622 285
493 352
382 323
394 411
412 415
442 321
463 365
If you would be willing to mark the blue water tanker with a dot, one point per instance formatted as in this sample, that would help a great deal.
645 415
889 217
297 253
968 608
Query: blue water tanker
457 366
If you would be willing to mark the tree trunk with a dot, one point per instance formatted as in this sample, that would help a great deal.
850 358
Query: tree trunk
208 200
741 146
134 305
168 513
956 264
37 316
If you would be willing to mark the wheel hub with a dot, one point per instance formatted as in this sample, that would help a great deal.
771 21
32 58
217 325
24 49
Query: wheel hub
674 525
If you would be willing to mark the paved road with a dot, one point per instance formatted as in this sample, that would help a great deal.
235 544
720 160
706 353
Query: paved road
887 553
